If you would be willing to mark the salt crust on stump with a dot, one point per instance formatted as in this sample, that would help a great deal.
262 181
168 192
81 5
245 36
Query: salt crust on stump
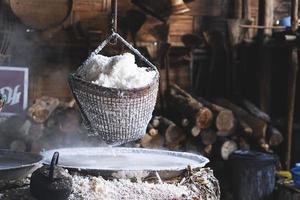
200 185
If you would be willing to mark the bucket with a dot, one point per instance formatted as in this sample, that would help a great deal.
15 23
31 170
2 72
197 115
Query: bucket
253 175
296 175
286 21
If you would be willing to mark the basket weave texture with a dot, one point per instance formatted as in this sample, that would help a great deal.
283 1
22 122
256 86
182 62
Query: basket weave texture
116 116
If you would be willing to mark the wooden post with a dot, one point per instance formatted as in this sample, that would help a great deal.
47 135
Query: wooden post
247 15
266 15
269 16
167 66
265 78
261 18
293 73
238 9
265 18
294 14
247 9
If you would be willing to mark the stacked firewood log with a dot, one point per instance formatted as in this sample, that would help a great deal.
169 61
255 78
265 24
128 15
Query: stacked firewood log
213 129
190 124
48 123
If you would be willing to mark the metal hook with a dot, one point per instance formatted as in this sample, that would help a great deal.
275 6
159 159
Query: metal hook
54 162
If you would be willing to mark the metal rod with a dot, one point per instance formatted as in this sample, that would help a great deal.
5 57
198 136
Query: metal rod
114 16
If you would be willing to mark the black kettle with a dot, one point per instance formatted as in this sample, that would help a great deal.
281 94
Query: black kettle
51 182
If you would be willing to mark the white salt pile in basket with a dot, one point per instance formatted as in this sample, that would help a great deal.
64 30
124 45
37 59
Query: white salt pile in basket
119 72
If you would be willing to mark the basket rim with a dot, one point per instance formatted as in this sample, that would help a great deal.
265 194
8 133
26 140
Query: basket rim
155 80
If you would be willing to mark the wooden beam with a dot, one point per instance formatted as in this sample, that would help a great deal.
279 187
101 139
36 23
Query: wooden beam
261 27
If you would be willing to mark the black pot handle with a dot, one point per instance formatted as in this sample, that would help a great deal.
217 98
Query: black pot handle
54 162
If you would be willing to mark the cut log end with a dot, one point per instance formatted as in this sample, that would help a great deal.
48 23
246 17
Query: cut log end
204 118
225 123
208 137
152 142
275 137
208 149
156 122
264 145
258 126
227 148
152 132
185 122
195 131
174 137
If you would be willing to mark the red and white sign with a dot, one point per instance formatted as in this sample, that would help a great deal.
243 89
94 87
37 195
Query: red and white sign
14 88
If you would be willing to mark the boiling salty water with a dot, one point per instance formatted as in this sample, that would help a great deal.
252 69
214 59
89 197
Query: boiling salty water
112 151
6 163
125 159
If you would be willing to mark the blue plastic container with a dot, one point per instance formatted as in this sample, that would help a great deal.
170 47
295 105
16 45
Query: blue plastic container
296 175
286 21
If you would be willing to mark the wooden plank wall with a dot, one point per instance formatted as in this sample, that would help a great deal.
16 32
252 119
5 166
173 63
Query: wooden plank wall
179 25
282 8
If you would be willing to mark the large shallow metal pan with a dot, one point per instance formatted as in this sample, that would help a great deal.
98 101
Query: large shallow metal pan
106 160
15 165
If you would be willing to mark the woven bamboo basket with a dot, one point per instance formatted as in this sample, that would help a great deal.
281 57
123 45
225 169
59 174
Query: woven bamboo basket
115 116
